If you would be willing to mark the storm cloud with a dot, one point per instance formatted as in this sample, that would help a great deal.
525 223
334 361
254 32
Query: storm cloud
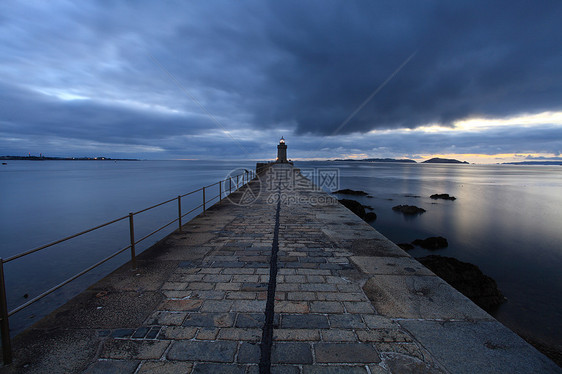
208 79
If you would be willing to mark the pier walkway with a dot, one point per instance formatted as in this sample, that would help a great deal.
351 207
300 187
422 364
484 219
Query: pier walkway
283 280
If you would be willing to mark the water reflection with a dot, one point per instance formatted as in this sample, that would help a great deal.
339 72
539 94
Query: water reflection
505 219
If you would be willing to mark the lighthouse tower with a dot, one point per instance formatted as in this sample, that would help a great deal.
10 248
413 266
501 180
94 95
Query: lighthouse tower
282 151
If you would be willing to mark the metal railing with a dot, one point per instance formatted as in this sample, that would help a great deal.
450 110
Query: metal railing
241 180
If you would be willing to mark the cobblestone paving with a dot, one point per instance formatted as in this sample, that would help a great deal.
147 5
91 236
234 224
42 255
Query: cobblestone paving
346 300
326 322
212 316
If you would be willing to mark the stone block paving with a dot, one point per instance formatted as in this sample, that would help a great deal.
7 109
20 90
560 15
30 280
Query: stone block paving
326 322
212 315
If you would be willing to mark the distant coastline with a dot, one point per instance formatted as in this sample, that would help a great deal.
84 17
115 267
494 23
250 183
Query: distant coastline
552 163
435 160
45 158
438 160
376 160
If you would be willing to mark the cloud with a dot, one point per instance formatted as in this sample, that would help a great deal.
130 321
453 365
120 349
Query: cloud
268 69
396 144
469 62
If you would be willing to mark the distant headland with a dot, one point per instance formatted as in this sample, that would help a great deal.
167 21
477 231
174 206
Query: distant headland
552 163
437 160
46 158
377 160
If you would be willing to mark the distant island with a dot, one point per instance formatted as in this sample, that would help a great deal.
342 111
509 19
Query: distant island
377 160
45 158
438 160
552 163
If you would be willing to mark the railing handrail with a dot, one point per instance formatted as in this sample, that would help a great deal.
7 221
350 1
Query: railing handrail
54 288
155 206
5 314
14 257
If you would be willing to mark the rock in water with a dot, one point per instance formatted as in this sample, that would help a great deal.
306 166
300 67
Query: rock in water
444 196
434 242
408 209
369 217
466 278
347 191
354 206
359 209
405 246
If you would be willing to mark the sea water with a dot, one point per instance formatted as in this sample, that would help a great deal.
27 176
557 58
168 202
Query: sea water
44 201
505 219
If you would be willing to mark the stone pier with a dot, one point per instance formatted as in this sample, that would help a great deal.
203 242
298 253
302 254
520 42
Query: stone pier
281 279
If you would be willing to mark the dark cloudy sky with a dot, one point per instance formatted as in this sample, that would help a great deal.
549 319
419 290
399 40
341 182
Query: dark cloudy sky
478 80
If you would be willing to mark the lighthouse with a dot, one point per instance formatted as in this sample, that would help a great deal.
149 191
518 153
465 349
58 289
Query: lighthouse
282 151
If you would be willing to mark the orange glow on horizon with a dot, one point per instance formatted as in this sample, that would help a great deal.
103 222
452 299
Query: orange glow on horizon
473 158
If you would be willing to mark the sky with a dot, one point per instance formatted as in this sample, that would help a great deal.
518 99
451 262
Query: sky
474 80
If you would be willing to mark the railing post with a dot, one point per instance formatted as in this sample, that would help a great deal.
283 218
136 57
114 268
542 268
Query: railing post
204 200
132 237
5 321
229 185
220 191
237 182
179 212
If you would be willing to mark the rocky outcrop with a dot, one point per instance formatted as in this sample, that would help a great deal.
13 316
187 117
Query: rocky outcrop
444 196
354 206
405 246
466 278
408 209
370 217
434 242
359 209
347 191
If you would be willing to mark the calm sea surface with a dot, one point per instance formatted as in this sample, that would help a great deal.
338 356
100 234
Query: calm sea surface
43 201
506 220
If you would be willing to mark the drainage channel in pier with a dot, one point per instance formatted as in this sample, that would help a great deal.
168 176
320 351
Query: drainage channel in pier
267 333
